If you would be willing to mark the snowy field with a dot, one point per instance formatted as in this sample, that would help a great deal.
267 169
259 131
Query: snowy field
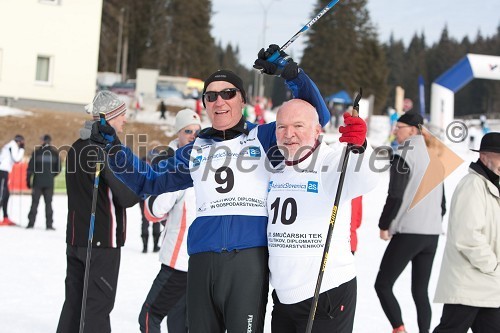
33 264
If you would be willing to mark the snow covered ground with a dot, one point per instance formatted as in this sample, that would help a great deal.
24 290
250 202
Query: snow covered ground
33 263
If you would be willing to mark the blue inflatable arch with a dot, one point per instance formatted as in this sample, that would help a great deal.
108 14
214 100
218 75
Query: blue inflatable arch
443 89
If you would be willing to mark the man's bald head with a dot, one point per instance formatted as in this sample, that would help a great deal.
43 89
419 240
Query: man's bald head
297 128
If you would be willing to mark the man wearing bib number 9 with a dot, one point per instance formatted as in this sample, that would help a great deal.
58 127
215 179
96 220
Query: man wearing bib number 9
228 165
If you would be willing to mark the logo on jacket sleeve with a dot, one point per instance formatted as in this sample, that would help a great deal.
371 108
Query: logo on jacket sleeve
254 151
312 186
197 161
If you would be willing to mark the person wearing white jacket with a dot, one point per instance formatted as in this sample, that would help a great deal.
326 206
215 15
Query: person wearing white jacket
167 296
11 154
469 281
301 194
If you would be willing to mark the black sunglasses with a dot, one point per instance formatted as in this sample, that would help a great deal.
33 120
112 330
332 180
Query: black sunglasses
188 131
226 94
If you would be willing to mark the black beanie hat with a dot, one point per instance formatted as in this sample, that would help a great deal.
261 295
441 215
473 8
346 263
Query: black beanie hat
228 76
412 119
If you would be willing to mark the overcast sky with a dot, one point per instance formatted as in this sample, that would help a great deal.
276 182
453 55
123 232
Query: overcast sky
241 22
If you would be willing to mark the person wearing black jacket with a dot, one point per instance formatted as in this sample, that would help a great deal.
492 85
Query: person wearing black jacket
109 228
44 166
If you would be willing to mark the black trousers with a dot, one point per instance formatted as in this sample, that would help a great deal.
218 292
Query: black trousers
103 278
402 249
166 298
145 224
36 193
334 313
4 191
459 318
228 291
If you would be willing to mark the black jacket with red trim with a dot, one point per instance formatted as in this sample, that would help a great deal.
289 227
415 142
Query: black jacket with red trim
112 200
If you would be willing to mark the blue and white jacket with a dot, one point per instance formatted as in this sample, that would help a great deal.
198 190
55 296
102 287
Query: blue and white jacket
230 176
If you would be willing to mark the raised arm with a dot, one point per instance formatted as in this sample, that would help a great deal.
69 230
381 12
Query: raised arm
297 80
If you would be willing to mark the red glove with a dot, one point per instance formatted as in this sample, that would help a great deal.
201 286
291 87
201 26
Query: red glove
354 131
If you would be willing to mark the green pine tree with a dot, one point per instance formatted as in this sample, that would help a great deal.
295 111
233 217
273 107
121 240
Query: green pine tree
342 52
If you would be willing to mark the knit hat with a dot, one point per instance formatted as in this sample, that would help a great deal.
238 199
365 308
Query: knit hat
412 119
228 76
489 143
108 103
185 118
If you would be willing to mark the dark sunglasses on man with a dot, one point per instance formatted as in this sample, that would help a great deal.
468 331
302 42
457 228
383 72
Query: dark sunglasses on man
226 94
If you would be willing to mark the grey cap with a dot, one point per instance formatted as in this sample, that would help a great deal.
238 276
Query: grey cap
107 103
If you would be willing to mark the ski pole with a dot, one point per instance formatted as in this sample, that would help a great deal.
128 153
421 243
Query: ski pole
98 168
276 55
333 217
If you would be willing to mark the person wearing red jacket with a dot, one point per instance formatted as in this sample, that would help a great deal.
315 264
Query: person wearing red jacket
356 217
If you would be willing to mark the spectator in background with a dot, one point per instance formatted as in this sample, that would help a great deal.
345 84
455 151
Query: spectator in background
11 153
145 221
154 156
469 282
167 296
356 217
484 124
44 166
138 105
163 109
259 114
413 231
198 107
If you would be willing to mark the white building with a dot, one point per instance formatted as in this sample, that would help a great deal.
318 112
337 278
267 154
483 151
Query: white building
49 52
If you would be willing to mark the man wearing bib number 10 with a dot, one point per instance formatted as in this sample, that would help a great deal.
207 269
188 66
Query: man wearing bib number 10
300 200
228 166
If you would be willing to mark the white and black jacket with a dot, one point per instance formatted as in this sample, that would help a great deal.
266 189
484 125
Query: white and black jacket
10 154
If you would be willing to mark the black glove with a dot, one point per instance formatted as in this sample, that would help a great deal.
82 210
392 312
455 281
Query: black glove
104 135
283 65
162 155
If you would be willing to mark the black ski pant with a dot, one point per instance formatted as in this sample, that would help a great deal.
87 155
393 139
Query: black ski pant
166 298
457 318
334 313
228 291
145 224
4 191
36 193
402 249
103 278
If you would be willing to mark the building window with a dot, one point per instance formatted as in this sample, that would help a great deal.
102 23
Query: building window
43 69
